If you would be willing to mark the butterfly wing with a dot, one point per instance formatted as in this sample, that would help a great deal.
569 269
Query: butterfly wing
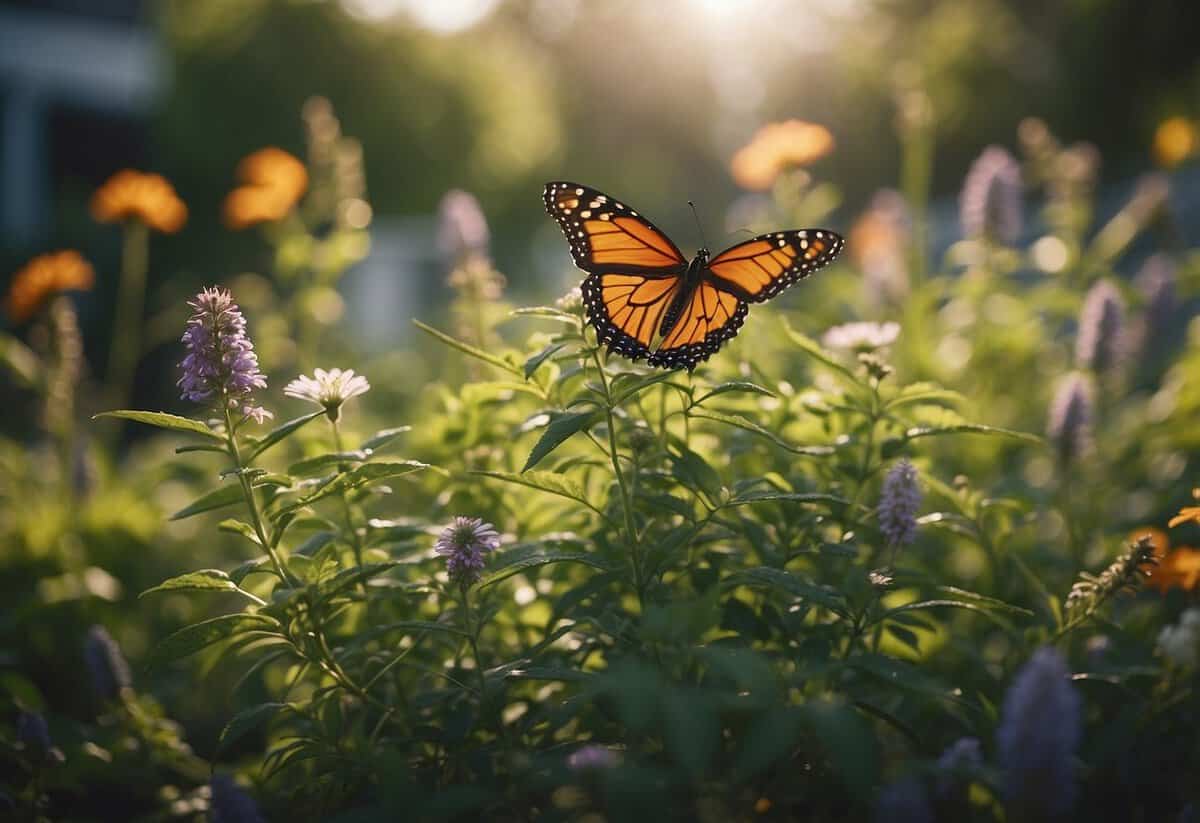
709 317
605 235
759 269
627 309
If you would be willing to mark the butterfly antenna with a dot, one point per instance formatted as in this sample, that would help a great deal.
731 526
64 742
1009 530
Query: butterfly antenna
698 226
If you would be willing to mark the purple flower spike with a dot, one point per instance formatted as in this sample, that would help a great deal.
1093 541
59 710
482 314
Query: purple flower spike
898 503
592 756
464 544
1071 411
1040 729
990 203
1098 346
220 365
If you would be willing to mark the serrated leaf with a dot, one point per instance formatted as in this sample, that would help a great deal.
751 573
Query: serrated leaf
790 584
532 364
468 349
202 580
280 432
198 636
532 561
223 496
746 424
358 477
549 482
247 721
162 420
561 427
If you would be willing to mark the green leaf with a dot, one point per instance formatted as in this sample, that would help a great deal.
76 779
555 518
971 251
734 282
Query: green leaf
22 363
549 482
191 639
531 365
223 496
468 349
740 422
848 740
358 477
531 561
238 527
247 721
313 465
348 578
692 470
905 676
794 497
627 386
813 349
789 584
203 580
561 427
259 564
384 436
983 600
163 421
280 432
735 386
768 740
545 311
201 447
893 446
923 393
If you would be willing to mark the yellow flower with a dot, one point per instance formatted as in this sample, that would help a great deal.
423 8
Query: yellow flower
1175 140
43 277
777 147
135 195
272 183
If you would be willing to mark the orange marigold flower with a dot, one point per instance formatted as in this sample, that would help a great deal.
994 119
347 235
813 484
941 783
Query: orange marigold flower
272 183
44 276
1175 140
134 195
776 147
1180 569
1187 513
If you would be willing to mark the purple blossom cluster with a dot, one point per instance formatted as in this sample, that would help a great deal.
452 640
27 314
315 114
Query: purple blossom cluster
1098 345
1040 729
990 203
898 503
1071 411
220 364
465 544
106 665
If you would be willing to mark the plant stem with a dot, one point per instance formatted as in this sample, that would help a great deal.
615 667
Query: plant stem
626 501
355 540
127 320
252 502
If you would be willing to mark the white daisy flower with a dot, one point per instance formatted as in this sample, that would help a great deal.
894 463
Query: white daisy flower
328 389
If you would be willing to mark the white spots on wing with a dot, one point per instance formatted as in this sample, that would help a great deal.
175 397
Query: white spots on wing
579 191
585 214
606 216
804 244
782 243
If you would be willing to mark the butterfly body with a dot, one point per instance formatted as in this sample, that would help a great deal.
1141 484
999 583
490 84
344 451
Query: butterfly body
645 299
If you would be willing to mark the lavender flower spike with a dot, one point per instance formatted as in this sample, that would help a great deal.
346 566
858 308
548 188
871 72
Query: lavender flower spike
220 366
1070 420
990 203
1040 729
230 803
898 503
1098 346
464 544
106 665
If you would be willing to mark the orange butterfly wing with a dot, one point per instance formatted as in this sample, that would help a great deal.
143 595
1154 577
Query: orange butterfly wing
635 270
605 235
710 316
759 269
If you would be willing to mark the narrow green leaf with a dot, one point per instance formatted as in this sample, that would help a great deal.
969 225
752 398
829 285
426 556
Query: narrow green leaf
351 577
548 673
627 386
923 393
280 432
740 386
794 497
383 437
545 311
740 422
203 580
532 561
790 584
223 496
561 427
163 421
544 481
984 601
895 445
244 570
22 363
531 365
313 465
813 349
191 639
468 349
247 721
201 447
358 477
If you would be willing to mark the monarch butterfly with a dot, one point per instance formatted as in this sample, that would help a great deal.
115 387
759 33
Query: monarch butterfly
641 288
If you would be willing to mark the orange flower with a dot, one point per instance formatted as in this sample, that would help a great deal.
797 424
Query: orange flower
776 147
1187 513
44 276
1181 569
136 195
272 183
1175 140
